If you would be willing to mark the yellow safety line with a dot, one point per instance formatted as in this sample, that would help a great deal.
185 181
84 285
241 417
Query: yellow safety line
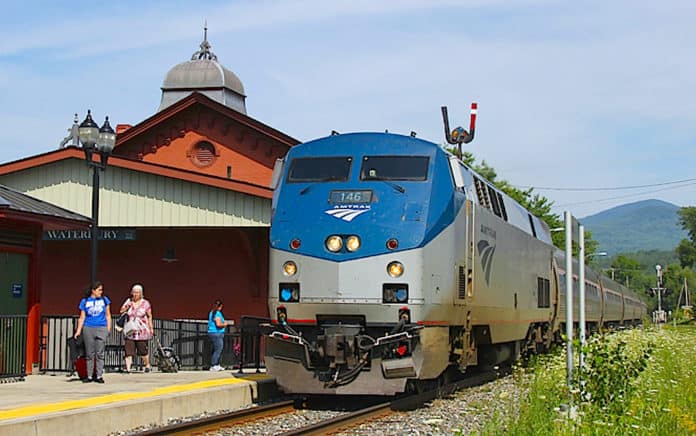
37 409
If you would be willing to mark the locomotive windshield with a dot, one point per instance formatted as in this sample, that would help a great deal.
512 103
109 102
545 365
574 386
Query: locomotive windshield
394 168
319 169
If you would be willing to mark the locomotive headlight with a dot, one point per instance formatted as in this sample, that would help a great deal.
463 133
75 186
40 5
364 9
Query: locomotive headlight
289 268
334 243
395 269
352 243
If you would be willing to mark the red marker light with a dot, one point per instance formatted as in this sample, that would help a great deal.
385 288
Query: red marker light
295 244
402 349
392 244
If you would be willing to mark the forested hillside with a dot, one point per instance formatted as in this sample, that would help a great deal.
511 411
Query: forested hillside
641 226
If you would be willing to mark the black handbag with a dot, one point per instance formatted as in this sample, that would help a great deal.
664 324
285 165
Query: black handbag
121 321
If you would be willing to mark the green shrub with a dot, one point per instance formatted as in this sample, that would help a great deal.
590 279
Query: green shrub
612 363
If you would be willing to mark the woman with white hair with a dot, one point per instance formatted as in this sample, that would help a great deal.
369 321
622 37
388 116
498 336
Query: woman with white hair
138 329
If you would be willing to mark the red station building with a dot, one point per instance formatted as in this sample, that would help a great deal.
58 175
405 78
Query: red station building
185 203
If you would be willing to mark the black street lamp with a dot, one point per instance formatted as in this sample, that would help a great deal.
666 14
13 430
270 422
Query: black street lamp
100 141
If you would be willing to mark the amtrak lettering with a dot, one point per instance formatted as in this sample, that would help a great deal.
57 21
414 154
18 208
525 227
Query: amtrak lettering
486 252
347 212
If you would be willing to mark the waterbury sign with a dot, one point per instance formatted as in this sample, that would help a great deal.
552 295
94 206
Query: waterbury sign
105 234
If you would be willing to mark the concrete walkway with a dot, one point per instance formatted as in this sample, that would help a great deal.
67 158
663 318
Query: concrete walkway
59 405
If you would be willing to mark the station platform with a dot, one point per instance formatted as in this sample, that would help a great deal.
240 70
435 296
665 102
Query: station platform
43 405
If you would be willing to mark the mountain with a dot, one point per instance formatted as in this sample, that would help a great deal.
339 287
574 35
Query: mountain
643 225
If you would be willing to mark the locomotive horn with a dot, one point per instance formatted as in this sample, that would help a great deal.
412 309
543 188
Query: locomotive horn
445 120
460 136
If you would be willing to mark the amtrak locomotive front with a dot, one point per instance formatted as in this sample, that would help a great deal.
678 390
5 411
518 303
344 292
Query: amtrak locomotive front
352 217
393 265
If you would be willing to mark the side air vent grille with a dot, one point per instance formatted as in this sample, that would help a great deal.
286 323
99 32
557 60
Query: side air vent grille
543 292
462 283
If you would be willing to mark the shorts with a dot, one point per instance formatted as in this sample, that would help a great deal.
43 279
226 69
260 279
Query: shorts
139 346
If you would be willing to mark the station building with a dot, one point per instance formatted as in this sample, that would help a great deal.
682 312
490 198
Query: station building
185 203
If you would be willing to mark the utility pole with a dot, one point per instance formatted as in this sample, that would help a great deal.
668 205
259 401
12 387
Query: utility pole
687 301
686 308
570 231
658 268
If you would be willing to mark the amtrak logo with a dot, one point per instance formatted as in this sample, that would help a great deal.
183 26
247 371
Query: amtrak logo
347 214
486 252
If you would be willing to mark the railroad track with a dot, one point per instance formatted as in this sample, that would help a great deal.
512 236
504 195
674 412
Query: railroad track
216 422
331 425
410 402
343 422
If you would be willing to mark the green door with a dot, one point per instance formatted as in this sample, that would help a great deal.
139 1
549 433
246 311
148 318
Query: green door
14 273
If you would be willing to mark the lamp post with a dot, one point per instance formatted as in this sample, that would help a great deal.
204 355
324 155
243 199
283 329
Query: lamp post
100 141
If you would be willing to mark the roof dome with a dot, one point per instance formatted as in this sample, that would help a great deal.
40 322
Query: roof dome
204 74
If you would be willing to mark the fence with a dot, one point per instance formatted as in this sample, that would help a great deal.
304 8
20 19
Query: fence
188 339
13 343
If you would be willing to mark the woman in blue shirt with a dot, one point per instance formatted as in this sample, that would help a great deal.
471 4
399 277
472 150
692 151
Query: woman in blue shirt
94 325
216 333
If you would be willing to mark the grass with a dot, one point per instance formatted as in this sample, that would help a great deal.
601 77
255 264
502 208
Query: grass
637 382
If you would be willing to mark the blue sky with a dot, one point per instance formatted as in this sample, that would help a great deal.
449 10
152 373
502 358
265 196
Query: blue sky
590 94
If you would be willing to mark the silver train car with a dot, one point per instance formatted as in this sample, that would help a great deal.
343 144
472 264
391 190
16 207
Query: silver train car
394 265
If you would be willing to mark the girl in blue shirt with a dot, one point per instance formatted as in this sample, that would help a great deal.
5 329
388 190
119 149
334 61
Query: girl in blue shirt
216 333
94 325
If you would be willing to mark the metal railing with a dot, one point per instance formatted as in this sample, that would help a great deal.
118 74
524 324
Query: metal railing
13 345
187 338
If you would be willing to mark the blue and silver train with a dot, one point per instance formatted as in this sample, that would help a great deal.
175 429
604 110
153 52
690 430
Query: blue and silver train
393 265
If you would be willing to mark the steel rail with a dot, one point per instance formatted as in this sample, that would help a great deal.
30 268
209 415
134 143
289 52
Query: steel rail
212 423
343 422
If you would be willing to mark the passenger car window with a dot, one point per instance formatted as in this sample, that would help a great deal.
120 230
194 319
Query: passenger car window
319 169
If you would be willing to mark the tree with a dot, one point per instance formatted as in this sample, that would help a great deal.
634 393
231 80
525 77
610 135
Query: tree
687 219
625 269
687 253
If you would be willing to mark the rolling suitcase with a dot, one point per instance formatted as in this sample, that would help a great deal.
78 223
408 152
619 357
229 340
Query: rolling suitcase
81 368
76 348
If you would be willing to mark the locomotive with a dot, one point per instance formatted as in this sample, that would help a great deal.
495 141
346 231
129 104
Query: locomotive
393 265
